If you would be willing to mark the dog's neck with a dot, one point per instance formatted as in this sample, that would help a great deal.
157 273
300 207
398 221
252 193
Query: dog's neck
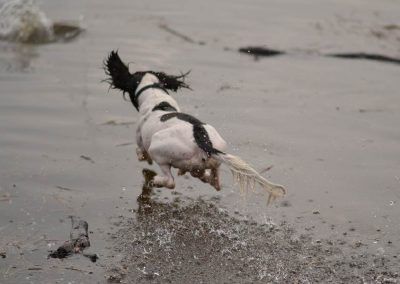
147 79
151 96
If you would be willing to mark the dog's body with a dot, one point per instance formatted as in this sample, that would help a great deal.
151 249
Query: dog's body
175 139
169 140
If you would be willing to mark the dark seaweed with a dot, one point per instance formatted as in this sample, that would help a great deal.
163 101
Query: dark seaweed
258 51
366 56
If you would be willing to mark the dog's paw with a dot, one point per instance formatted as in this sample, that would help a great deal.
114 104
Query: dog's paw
148 175
141 154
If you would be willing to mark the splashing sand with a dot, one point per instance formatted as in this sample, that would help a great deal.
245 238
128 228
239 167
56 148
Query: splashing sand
23 21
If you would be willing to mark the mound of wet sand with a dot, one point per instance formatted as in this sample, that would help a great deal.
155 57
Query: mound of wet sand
196 241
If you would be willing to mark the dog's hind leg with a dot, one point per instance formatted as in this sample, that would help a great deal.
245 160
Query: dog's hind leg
214 179
168 148
166 180
209 176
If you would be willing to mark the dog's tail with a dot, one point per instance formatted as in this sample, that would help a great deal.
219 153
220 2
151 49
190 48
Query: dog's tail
247 177
120 77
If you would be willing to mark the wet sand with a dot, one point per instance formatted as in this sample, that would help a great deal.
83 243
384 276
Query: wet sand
328 126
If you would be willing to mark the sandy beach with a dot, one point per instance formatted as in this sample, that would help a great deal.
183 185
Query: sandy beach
326 128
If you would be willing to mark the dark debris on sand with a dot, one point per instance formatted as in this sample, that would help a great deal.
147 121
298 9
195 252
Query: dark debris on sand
78 241
196 241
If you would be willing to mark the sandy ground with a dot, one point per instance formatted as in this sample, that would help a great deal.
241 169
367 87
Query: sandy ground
328 127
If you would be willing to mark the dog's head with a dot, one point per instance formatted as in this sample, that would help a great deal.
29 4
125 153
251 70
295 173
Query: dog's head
120 77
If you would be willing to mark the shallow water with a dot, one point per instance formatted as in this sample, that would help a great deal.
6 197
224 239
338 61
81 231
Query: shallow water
329 127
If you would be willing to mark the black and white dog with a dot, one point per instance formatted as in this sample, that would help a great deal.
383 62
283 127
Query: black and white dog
172 138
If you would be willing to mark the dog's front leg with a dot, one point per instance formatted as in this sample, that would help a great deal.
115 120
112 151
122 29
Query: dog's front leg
141 153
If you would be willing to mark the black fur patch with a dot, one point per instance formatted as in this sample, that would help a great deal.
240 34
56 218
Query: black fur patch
164 106
171 82
203 140
199 132
120 78
181 116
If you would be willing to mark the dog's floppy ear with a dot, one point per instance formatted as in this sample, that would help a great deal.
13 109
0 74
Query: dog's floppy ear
120 78
171 82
